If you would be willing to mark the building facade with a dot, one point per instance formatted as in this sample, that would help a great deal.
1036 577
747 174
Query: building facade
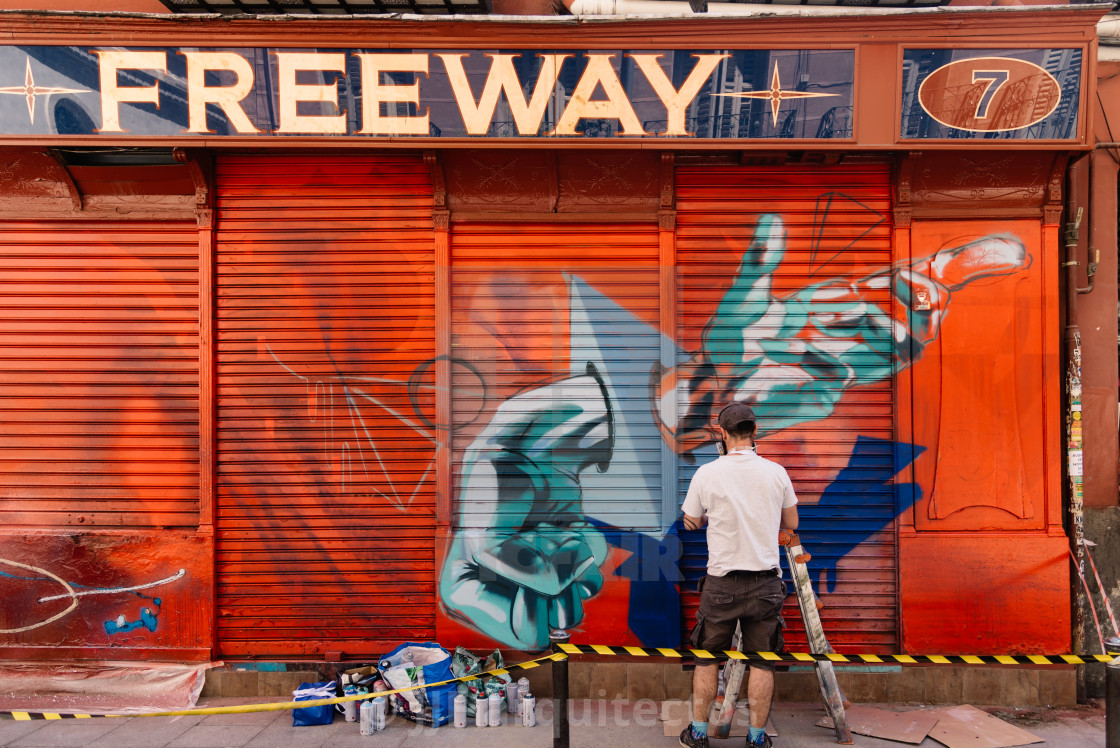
326 334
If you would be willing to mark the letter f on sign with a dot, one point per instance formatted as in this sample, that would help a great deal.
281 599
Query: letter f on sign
113 94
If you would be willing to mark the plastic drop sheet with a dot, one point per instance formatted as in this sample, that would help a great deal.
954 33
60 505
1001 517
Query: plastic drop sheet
101 687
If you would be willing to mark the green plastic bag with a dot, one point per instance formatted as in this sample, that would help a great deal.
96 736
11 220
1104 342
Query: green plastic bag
465 663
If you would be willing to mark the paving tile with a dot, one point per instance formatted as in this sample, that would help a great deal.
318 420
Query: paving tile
477 737
428 736
11 730
67 732
614 723
281 733
384 739
146 732
215 736
247 718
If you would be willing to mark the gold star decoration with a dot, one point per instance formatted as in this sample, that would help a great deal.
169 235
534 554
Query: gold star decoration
776 94
30 91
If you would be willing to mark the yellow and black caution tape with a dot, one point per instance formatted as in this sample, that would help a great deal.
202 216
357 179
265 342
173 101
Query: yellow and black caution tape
561 652
283 706
859 659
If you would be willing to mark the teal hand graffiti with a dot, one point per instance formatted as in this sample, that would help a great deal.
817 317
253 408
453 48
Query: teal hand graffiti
526 558
794 357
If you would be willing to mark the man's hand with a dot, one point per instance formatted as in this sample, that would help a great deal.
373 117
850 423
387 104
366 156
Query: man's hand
794 357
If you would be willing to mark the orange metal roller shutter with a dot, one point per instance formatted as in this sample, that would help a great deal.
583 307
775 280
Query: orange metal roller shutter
515 290
838 226
326 473
99 374
551 319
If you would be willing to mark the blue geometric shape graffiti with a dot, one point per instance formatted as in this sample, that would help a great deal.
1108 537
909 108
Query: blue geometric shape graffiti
866 473
653 569
653 565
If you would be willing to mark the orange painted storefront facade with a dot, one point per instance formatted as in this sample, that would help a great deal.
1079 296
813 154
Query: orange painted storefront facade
291 395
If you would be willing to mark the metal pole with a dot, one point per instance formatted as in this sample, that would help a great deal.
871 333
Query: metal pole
560 692
1112 696
1075 204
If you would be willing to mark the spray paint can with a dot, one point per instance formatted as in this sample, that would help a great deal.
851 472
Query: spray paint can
495 702
511 698
365 718
460 711
380 707
350 708
481 711
528 710
522 688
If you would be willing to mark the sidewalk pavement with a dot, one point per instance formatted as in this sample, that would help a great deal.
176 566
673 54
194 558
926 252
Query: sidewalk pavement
614 724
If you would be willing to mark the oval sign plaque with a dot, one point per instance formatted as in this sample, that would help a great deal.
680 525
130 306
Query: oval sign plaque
988 94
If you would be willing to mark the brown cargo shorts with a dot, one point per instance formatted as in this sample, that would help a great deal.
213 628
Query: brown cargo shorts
753 599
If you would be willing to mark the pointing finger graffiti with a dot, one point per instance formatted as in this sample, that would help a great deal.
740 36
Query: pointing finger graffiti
795 357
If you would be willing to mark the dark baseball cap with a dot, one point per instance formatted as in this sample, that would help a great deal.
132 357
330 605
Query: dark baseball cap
738 416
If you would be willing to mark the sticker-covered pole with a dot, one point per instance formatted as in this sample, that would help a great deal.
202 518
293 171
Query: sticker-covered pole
559 692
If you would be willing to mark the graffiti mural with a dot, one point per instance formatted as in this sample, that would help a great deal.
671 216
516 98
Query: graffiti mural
580 403
534 532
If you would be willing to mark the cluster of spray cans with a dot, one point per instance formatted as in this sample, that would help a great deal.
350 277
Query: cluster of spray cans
488 711
371 714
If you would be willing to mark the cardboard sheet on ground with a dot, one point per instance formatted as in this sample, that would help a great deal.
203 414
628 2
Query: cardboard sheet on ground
676 714
961 726
905 727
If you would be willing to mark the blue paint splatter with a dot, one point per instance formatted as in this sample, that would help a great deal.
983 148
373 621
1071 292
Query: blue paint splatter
146 620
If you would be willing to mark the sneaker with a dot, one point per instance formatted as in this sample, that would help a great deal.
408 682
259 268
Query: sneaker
690 742
766 742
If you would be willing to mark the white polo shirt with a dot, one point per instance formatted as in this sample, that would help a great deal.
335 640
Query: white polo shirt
742 495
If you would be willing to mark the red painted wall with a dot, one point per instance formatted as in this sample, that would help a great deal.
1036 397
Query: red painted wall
983 550
108 595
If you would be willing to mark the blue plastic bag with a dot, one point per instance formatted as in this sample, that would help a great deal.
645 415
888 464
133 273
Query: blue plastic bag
414 664
313 715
